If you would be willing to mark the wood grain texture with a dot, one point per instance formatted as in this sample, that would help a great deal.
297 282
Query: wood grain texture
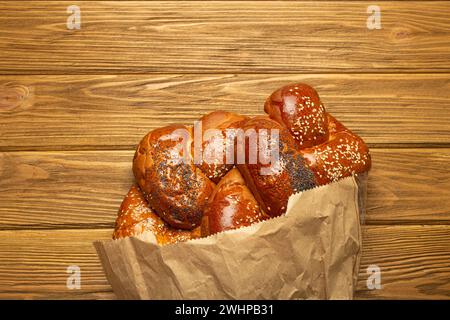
59 189
138 65
409 186
33 264
414 262
84 189
222 36
115 111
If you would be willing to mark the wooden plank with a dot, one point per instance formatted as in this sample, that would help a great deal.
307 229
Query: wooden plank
84 189
409 186
222 36
33 264
115 111
75 189
414 262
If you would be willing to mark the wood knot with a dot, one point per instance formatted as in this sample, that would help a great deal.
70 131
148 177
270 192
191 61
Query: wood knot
13 96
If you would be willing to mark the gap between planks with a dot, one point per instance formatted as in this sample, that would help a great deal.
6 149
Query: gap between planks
90 227
95 148
220 73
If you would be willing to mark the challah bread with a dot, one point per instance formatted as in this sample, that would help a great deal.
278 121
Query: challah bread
341 156
173 186
136 218
331 150
231 205
286 175
313 149
298 108
214 156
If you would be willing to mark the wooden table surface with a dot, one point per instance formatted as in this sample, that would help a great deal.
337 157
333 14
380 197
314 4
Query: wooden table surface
74 103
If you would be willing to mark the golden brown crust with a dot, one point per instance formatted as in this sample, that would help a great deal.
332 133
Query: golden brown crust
231 206
341 156
176 190
135 218
299 109
215 164
315 149
289 174
330 149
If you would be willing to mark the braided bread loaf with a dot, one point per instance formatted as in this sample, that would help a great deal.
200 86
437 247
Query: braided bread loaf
187 189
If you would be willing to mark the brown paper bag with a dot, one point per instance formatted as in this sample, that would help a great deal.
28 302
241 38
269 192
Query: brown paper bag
312 252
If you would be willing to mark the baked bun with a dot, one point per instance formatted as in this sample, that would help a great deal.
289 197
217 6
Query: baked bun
343 155
135 218
215 164
273 182
231 206
299 109
330 149
173 186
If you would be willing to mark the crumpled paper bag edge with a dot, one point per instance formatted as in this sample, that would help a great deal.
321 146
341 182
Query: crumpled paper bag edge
245 229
